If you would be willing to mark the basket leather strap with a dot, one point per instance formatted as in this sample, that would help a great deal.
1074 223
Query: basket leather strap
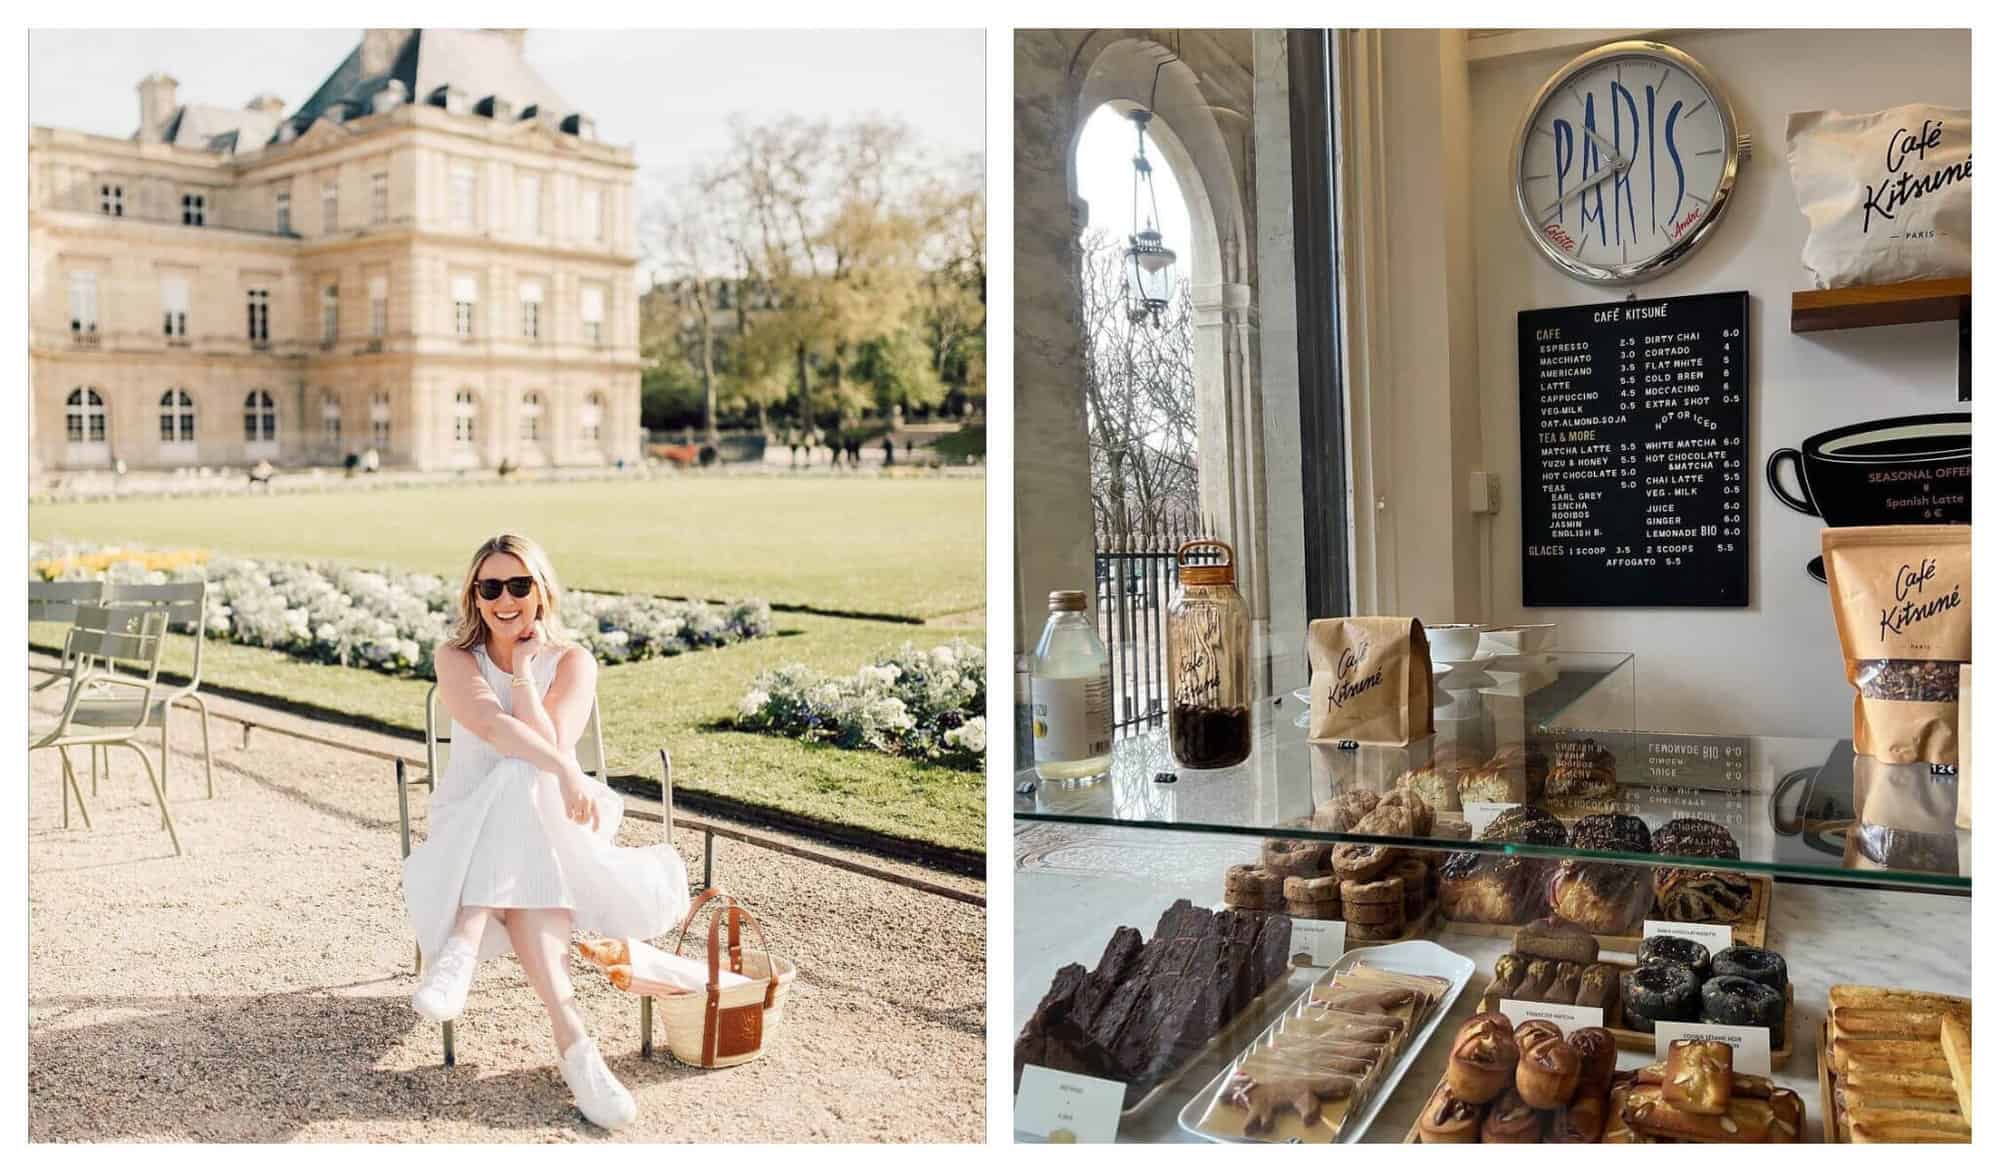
736 915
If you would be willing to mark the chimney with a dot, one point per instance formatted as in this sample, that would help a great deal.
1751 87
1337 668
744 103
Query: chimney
156 105
379 47
267 104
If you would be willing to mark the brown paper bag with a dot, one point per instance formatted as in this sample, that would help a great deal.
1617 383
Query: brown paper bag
1371 680
1965 747
1902 602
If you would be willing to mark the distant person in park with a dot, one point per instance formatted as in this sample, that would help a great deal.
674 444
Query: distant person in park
853 451
520 850
888 451
833 444
353 462
261 473
371 461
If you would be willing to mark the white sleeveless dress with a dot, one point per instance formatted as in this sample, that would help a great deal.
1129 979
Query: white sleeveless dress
498 838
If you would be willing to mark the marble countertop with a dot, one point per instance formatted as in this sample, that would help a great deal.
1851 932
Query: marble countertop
1074 886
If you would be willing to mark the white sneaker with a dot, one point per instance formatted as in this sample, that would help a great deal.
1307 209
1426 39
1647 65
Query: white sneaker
599 1095
441 997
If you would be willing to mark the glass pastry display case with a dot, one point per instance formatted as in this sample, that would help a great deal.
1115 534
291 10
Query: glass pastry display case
1166 917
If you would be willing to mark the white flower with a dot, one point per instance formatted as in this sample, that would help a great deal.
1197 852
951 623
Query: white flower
970 736
753 702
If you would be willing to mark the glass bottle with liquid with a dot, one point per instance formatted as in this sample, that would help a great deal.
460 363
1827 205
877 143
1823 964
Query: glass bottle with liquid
1208 662
1071 693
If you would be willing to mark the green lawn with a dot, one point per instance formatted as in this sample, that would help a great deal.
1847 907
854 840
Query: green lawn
910 547
677 702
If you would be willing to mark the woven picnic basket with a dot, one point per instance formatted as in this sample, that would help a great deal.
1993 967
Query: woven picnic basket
716 1027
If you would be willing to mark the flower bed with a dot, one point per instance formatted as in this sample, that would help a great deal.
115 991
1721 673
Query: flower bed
389 620
925 704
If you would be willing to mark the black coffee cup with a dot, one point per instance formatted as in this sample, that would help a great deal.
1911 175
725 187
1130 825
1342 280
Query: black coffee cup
1912 470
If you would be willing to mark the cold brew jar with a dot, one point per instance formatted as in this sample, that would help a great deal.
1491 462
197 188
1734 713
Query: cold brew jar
1208 660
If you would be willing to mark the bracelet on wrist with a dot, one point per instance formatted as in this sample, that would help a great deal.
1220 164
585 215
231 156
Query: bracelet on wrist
523 682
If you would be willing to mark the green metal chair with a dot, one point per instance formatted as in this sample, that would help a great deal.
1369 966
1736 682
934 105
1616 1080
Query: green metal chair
115 657
589 755
183 603
56 602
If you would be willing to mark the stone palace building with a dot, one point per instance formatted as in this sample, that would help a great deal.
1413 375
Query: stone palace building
432 257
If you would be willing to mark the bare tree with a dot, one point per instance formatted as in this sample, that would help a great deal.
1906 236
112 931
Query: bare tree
1139 396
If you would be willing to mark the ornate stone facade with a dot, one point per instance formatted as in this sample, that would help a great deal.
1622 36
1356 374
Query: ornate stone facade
432 257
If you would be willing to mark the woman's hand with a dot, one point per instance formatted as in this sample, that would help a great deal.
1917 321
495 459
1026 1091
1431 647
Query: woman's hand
524 661
574 785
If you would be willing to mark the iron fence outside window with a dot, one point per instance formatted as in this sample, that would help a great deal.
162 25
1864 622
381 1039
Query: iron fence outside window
1133 590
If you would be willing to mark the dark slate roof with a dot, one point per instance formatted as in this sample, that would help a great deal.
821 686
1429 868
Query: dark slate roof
478 63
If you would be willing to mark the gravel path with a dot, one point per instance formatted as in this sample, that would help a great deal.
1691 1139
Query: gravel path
258 987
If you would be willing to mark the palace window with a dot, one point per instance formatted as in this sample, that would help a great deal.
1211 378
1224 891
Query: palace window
592 201
111 199
464 418
329 314
591 422
260 418
531 309
260 316
329 417
378 306
528 201
531 418
177 417
284 205
194 209
464 303
464 197
378 418
84 420
378 198
83 304
174 307
329 206
592 312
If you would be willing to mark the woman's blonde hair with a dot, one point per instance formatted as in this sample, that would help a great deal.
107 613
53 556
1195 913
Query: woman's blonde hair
471 630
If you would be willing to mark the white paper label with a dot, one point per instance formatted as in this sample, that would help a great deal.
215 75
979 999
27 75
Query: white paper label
1068 1108
1569 1017
1072 717
1321 941
1714 937
1478 814
1751 1043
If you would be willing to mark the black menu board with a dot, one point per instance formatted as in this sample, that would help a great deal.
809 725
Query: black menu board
1633 423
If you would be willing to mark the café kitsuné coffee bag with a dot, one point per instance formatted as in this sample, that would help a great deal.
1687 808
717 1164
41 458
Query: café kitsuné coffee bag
1902 601
1371 680
1887 196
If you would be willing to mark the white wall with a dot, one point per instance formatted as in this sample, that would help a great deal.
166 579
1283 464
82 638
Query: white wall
1773 668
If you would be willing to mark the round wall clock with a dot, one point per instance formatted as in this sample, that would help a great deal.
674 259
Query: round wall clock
1624 162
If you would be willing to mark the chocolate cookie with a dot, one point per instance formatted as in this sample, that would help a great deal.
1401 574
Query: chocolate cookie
1757 964
1742 1001
1660 991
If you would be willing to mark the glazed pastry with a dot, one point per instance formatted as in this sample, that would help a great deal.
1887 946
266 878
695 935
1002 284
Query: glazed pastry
1509 1120
1597 1055
1482 1060
1359 862
1607 898
1580 1121
1556 940
1547 1073
1661 991
1679 949
1758 964
1536 1030
1484 889
1448 1119
1698 1077
1562 987
1294 856
1733 1000
1511 967
1702 897
1597 986
1611 832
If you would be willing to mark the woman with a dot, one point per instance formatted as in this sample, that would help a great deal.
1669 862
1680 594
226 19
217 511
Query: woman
520 849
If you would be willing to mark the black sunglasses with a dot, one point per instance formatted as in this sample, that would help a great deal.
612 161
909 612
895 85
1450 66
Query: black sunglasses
490 588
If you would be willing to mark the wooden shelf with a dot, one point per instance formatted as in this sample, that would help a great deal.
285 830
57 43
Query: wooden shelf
1881 305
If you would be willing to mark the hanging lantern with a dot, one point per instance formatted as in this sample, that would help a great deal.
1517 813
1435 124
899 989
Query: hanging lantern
1149 263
